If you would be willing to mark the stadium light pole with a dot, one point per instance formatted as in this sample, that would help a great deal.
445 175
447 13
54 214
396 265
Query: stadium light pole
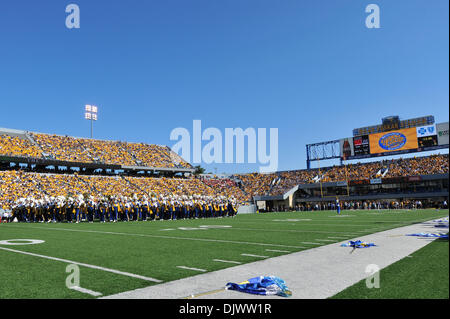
91 114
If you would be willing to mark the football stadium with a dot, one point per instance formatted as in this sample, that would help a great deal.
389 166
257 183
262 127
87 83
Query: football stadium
138 223
97 203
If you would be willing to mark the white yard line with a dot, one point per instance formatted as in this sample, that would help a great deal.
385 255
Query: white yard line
114 271
251 255
192 268
315 273
279 251
228 261
165 237
86 291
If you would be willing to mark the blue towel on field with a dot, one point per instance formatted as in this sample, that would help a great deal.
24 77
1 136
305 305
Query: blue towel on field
262 285
358 244
435 235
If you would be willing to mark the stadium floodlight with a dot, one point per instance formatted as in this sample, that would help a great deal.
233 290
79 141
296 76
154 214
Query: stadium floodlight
91 114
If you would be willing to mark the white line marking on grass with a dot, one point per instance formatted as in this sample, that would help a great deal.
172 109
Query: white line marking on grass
251 255
86 291
161 236
279 251
291 220
228 261
330 240
342 216
22 242
337 237
84 265
309 243
191 268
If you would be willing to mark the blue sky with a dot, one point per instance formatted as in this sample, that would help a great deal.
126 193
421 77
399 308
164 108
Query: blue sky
309 68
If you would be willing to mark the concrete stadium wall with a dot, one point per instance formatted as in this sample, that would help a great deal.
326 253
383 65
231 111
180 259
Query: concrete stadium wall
11 132
248 209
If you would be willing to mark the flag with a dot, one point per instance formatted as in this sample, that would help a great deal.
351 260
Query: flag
358 244
262 285
435 235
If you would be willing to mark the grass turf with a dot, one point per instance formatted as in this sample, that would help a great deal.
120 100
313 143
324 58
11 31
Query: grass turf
423 275
155 249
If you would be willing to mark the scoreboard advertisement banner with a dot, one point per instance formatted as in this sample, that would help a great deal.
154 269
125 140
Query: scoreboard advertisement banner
414 139
427 136
347 150
361 145
428 141
399 140
442 133
424 131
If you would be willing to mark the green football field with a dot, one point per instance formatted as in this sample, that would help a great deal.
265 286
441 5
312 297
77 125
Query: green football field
117 257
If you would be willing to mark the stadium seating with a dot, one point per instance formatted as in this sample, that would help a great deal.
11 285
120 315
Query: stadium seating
81 150
16 146
66 148
256 184
16 184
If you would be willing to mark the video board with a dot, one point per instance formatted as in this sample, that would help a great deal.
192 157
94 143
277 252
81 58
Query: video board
398 140
361 145
414 139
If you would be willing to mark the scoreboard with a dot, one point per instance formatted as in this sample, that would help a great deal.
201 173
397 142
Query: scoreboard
388 141
394 123
392 137
361 145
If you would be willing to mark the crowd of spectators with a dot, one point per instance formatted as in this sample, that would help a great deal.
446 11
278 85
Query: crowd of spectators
371 205
155 156
16 146
256 184
82 150
434 164
352 172
16 185
290 179
225 186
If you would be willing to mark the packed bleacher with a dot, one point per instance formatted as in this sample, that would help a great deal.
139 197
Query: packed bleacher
82 150
63 196
66 148
16 146
256 184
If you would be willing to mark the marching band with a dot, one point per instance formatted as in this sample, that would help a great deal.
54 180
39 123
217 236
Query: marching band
121 208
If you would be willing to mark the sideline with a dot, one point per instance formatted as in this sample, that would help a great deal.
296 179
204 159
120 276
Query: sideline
316 273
